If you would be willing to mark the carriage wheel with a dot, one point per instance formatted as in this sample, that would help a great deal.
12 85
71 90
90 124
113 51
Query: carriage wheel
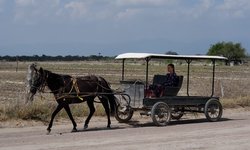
123 113
213 110
161 114
177 114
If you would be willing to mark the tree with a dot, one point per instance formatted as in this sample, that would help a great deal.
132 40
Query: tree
234 52
171 53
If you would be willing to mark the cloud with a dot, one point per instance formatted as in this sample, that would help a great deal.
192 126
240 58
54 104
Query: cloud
118 21
233 8
32 11
164 9
121 10
198 9
142 8
24 3
36 3
128 13
76 9
2 5
144 2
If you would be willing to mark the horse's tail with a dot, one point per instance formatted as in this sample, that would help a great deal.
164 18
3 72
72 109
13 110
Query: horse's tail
112 103
110 96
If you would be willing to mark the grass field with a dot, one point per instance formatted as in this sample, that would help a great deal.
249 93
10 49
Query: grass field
231 84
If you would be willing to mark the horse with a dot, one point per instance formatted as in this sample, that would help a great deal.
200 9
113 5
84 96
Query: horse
71 90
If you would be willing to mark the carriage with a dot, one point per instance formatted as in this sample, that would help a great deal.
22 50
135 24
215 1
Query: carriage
136 96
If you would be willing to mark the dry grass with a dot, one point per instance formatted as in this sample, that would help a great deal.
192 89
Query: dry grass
42 110
232 85
236 102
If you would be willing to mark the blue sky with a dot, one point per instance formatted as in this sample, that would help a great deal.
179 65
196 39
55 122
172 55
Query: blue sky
110 27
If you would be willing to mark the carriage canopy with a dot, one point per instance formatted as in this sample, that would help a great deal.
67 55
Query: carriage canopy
163 56
188 58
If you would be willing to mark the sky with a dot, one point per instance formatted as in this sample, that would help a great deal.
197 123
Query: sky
111 27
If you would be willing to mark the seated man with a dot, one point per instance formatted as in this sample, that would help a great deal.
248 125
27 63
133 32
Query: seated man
171 80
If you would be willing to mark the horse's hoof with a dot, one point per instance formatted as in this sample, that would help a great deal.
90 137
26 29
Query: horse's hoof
85 127
108 127
48 131
74 130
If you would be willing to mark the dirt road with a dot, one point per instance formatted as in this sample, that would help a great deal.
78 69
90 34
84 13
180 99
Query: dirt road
233 132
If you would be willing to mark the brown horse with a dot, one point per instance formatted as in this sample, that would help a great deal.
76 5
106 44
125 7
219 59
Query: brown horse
68 90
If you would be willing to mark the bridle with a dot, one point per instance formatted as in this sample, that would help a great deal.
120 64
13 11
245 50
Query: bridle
42 80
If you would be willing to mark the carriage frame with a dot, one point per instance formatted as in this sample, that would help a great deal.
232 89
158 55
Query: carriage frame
163 109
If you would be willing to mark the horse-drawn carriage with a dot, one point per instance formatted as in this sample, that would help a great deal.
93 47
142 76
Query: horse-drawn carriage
170 105
133 97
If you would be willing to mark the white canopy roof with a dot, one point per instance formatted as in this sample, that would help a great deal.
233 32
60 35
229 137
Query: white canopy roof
162 56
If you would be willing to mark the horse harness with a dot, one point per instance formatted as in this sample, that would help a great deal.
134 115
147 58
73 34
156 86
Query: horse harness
74 91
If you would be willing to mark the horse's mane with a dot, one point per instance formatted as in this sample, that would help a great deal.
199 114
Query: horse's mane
56 75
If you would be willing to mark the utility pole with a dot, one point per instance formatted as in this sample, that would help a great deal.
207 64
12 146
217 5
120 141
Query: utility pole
16 63
99 56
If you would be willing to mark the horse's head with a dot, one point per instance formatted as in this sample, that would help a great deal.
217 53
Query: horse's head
35 81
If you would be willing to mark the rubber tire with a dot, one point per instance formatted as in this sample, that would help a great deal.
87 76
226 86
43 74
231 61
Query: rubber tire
124 120
219 106
154 112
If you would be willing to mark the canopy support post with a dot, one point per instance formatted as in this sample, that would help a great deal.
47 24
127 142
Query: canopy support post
147 61
188 73
123 67
213 79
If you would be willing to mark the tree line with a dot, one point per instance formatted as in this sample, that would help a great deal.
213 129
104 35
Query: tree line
55 58
233 51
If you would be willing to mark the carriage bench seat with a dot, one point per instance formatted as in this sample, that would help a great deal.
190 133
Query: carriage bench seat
168 91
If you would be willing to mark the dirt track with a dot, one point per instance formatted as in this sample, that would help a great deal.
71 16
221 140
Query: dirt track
233 132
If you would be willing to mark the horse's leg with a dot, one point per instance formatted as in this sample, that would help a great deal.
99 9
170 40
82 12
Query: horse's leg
59 107
105 104
66 107
90 103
